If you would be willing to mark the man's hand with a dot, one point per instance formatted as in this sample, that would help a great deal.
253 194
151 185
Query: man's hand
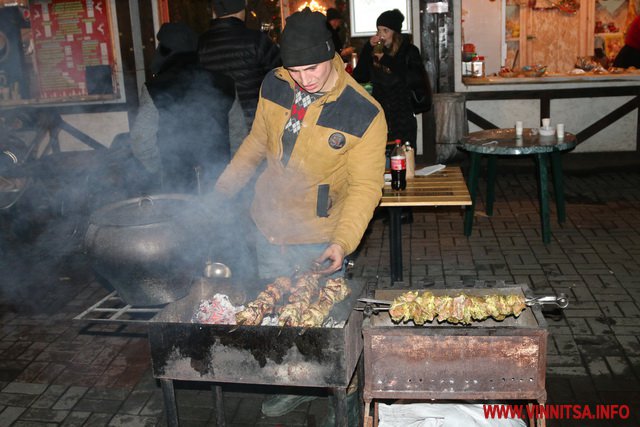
333 253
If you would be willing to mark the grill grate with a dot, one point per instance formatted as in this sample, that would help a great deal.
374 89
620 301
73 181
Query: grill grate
112 309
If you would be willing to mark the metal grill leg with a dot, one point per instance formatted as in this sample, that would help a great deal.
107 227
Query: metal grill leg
218 400
170 407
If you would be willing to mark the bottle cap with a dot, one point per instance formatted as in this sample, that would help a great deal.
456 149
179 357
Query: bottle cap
480 58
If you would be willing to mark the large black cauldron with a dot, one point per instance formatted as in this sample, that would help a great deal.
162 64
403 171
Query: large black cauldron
150 248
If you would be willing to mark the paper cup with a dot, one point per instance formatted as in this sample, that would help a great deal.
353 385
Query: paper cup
518 128
560 130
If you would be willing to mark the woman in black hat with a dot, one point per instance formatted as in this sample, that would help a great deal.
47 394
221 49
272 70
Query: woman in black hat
394 67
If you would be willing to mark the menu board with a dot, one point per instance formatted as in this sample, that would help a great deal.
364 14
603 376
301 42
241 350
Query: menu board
73 47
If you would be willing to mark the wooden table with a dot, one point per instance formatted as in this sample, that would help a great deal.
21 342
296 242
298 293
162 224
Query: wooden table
504 142
443 188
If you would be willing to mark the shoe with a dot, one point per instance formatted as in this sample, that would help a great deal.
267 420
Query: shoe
353 413
283 404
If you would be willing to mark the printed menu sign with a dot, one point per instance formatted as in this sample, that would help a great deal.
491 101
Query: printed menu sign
73 47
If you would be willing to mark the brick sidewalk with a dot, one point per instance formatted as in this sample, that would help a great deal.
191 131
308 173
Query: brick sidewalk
53 371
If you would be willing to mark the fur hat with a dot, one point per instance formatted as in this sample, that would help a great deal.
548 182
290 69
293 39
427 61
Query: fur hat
391 19
227 7
306 39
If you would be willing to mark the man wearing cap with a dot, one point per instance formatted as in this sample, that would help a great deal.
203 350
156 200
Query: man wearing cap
243 54
323 137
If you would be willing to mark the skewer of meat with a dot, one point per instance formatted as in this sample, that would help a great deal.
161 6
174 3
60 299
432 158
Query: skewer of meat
303 292
461 308
334 291
265 303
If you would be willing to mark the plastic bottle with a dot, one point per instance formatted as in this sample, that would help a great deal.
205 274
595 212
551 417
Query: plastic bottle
398 167
378 47
411 160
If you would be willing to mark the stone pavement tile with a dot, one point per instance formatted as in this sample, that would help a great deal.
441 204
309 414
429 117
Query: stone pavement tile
40 414
24 388
135 402
50 374
566 371
95 405
98 419
10 414
620 367
630 344
95 393
564 360
579 325
610 308
591 346
629 308
76 419
15 399
124 420
70 398
155 405
565 345
600 325
50 396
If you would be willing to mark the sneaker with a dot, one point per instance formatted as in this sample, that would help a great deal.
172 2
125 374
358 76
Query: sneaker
283 404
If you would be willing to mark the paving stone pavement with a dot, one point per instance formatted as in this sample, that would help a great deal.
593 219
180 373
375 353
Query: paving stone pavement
55 371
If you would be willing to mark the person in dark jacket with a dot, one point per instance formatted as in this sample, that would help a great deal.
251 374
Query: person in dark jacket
243 54
335 25
181 132
392 68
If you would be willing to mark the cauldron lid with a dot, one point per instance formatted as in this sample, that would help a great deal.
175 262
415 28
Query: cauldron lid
148 210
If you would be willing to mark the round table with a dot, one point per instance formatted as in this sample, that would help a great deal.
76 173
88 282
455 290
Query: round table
504 142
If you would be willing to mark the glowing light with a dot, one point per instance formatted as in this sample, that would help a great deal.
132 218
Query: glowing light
314 6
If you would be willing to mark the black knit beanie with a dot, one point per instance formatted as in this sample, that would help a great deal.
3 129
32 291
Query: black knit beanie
306 39
333 13
173 38
227 7
391 19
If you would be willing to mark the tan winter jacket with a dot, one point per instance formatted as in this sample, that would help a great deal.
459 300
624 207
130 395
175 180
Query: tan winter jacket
341 143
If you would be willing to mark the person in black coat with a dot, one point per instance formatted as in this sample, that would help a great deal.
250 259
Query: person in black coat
243 54
393 67
181 132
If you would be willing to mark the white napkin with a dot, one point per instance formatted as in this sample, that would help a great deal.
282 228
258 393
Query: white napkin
428 170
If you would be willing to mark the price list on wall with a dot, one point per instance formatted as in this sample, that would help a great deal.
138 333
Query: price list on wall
73 47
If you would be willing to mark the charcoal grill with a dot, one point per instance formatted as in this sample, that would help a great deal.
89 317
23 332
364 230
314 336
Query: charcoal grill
486 360
263 355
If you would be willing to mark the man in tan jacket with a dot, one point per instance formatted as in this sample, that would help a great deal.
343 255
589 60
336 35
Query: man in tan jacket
323 138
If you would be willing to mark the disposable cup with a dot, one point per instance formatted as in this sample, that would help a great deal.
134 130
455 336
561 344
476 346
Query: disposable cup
518 128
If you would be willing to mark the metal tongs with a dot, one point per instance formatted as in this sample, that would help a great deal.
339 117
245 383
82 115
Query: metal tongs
373 306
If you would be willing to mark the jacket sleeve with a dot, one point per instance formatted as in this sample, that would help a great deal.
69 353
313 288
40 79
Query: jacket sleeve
144 143
362 72
251 153
366 178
